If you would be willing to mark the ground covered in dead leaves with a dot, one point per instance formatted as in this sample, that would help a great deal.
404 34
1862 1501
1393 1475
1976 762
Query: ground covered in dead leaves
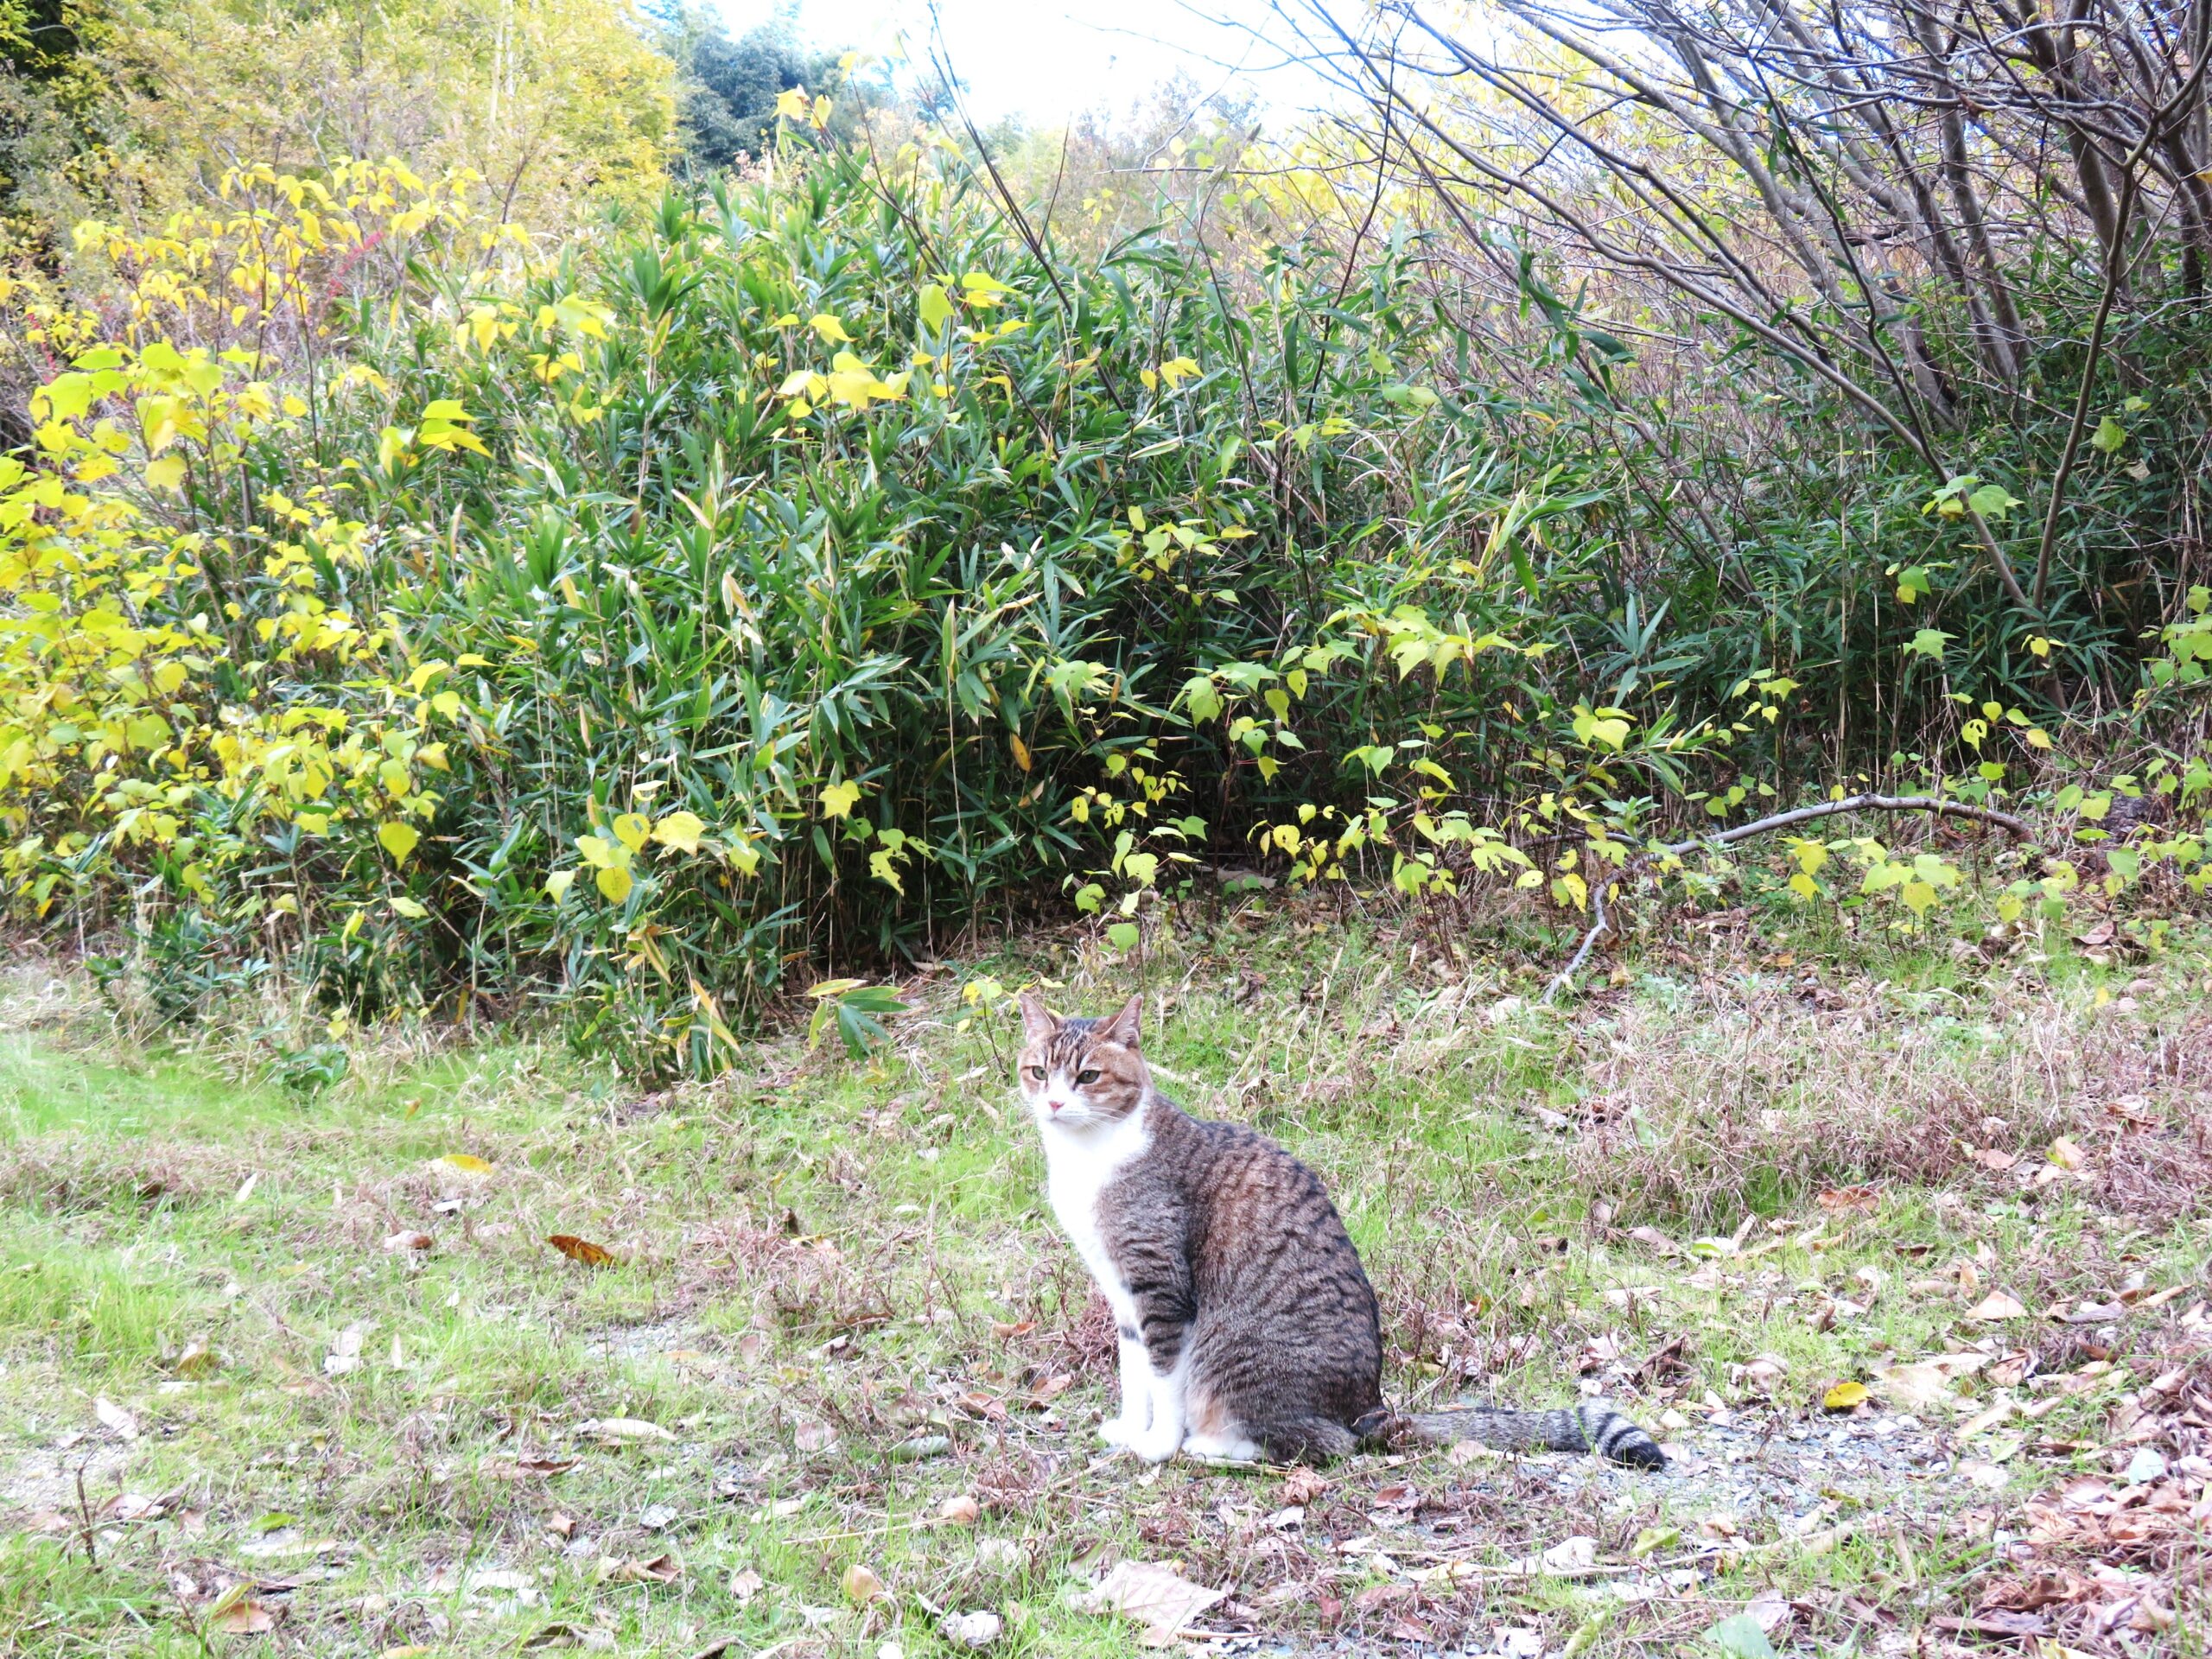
482 1351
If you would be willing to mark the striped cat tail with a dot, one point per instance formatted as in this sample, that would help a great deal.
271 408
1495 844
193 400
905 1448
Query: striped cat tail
1594 1427
1617 1438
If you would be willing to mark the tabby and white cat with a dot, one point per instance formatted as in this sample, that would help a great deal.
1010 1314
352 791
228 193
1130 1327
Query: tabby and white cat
1247 1328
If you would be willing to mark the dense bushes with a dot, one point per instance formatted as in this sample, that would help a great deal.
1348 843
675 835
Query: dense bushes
808 573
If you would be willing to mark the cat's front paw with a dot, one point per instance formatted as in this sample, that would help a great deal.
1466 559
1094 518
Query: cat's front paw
1152 1445
1120 1431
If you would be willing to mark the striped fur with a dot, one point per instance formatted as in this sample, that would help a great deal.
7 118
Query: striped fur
1248 1326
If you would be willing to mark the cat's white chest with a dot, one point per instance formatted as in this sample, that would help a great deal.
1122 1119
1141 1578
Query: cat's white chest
1079 1167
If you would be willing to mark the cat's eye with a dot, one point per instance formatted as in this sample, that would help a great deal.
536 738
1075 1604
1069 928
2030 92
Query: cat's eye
1086 1077
1036 1071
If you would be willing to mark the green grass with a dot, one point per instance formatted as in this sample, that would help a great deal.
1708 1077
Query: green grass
813 1246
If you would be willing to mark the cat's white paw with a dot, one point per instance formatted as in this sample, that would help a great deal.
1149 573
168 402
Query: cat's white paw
1154 1446
1119 1431
1215 1448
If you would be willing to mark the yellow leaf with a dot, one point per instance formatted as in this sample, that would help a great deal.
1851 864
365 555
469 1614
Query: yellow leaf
831 330
467 1162
1844 1396
2065 1154
167 473
936 308
1020 750
680 831
397 839
614 881
632 830
558 883
839 800
790 104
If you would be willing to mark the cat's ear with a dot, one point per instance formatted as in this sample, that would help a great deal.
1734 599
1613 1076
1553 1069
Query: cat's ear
1037 1020
1122 1027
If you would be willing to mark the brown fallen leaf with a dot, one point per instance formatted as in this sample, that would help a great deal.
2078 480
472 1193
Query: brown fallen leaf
661 1569
2065 1154
543 1466
1001 1328
408 1243
1377 1597
815 1437
237 1613
1997 1305
862 1585
114 1417
745 1584
1847 1200
1914 1387
1990 1158
959 1510
1994 1621
1302 1485
1161 1599
581 1249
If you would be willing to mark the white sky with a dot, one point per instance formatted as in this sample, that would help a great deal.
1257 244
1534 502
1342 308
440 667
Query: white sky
1046 60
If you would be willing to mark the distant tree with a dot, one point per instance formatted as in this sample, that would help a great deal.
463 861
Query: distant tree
56 104
726 99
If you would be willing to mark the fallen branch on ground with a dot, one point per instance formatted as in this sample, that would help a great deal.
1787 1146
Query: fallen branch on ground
1601 920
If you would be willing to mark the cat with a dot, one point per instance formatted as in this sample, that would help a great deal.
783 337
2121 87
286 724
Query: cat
1247 1327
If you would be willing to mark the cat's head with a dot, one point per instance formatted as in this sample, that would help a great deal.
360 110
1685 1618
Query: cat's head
1081 1073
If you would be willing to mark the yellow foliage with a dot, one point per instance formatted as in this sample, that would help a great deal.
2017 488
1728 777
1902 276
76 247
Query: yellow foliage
112 720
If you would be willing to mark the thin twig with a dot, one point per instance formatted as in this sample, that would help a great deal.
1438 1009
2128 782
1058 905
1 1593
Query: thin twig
2116 276
1601 921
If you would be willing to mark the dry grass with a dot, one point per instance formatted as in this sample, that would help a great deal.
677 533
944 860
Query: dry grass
819 1263
1794 1087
